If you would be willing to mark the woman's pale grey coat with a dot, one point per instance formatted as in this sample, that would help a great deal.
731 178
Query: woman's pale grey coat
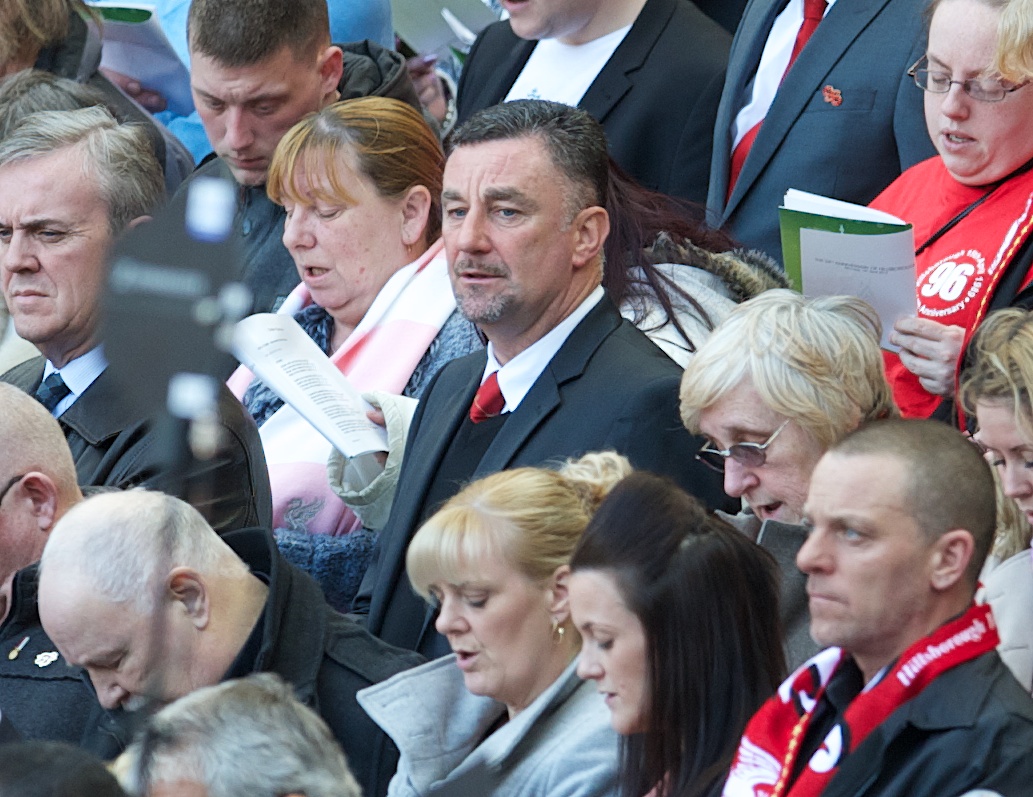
1008 588
561 745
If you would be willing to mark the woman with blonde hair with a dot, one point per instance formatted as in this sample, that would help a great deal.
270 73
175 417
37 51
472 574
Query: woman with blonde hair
361 183
996 389
494 560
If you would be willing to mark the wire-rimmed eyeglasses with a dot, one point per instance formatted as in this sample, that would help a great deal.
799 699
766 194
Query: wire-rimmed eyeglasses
984 89
750 455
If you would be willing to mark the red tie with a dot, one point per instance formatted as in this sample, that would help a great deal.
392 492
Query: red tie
488 402
813 11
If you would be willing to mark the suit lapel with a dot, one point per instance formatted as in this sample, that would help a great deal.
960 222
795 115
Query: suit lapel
503 68
441 426
545 395
747 48
834 35
615 79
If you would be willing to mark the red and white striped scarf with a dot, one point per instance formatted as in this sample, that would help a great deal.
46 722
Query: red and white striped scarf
771 743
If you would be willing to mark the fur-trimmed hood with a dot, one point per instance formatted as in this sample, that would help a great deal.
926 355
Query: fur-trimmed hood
746 272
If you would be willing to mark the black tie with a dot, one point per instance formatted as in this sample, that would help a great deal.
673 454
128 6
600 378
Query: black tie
51 391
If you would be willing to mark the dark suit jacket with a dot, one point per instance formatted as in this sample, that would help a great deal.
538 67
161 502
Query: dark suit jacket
323 655
852 151
656 97
608 387
113 447
727 13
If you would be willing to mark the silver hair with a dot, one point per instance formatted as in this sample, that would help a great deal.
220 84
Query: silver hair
118 156
124 544
816 361
245 738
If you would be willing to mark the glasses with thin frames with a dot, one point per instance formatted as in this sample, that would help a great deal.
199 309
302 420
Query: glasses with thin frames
984 89
7 488
749 455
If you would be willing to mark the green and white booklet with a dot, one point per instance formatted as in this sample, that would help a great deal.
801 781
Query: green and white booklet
831 247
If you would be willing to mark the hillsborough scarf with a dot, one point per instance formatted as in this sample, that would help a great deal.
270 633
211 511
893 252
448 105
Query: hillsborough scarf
770 745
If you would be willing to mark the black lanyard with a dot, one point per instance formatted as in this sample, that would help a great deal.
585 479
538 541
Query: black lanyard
954 222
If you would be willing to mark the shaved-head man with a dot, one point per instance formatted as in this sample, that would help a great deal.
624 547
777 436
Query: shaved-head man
909 697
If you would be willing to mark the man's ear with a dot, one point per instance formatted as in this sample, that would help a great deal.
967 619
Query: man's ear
331 67
952 553
40 490
415 214
138 221
186 587
590 227
559 606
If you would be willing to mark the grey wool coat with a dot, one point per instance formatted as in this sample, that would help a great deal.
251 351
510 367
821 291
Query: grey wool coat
561 745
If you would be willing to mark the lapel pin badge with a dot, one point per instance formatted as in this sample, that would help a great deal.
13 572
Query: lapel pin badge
832 96
17 649
46 659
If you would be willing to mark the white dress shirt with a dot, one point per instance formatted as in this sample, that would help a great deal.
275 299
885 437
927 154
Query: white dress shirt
518 375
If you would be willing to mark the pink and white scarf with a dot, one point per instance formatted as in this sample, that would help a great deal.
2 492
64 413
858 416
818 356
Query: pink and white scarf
380 354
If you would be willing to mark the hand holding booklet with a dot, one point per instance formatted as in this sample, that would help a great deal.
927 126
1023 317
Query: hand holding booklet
280 353
832 247
135 45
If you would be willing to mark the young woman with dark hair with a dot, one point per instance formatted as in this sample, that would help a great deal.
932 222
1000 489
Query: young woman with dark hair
681 633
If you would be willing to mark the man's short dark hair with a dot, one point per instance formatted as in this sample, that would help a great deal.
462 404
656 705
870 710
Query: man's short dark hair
52 769
949 485
239 33
576 142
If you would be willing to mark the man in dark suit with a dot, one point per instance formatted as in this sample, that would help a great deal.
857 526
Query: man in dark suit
70 183
563 374
649 70
727 13
844 121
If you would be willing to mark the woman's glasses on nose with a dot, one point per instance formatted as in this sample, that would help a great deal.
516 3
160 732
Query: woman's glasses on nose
750 455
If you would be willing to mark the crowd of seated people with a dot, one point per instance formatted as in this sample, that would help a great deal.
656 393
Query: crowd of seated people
647 522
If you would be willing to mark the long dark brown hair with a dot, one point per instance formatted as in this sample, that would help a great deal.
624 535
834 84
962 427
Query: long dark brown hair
707 598
638 216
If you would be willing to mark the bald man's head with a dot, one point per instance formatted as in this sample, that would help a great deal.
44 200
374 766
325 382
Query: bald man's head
37 483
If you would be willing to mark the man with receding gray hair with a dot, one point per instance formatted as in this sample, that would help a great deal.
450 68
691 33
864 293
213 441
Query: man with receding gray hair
136 589
70 183
215 742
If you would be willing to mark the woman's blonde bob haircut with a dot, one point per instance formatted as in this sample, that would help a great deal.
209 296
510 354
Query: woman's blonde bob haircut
815 361
530 518
387 141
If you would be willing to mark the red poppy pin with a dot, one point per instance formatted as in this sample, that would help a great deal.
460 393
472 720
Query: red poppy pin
833 96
